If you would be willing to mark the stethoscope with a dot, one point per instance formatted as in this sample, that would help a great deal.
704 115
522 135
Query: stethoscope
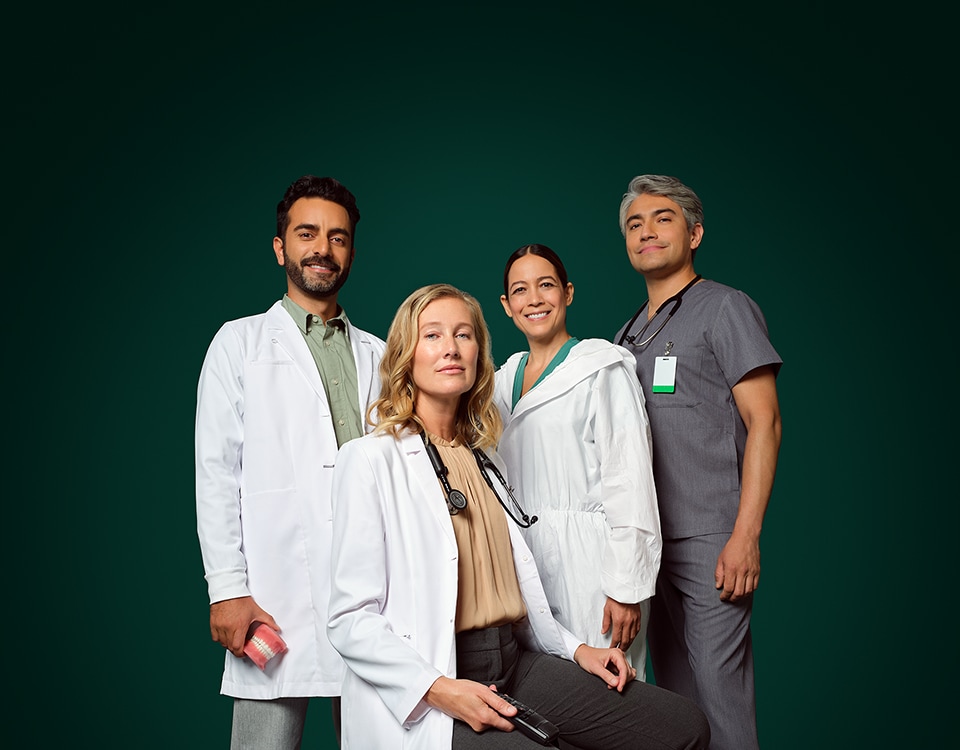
676 299
457 501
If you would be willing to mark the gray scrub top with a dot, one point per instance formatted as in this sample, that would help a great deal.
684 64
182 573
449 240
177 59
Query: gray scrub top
718 335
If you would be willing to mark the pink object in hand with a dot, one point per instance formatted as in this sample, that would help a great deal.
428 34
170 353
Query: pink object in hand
263 644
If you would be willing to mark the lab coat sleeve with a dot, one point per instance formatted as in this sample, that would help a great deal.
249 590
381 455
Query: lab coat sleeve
357 627
631 559
219 447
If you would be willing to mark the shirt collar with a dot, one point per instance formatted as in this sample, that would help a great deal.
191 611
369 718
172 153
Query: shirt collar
304 319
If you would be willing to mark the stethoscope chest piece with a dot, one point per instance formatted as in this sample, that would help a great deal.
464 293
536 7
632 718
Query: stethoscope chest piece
457 500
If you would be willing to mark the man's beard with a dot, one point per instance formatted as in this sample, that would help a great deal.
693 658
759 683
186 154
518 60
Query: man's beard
320 288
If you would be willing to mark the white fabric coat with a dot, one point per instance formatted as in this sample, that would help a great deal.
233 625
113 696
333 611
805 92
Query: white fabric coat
394 594
265 452
579 453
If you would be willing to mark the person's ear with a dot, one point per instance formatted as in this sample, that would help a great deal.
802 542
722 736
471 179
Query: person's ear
696 236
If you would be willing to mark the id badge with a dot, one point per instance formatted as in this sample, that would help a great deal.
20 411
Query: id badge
665 375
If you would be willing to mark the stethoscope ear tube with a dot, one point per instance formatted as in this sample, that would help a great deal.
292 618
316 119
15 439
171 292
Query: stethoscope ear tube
484 462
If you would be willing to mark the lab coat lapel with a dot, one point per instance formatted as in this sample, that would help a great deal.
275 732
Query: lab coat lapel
553 386
288 337
368 382
583 360
431 494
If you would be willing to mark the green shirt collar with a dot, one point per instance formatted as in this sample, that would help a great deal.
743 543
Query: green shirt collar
305 319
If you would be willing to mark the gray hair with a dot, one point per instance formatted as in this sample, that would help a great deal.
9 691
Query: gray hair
668 187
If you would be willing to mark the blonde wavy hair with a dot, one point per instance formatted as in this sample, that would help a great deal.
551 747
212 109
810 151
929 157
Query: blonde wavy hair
478 419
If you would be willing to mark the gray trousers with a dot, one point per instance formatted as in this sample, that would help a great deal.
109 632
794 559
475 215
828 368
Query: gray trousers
273 725
587 712
700 647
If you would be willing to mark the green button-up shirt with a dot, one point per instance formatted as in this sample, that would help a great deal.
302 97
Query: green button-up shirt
329 344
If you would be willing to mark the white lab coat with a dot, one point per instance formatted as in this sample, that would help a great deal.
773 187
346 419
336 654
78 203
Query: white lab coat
394 594
579 453
265 452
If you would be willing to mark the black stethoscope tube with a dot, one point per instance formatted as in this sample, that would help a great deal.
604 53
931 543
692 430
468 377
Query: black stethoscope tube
457 501
676 299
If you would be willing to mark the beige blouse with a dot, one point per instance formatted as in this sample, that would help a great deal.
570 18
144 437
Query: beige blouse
489 593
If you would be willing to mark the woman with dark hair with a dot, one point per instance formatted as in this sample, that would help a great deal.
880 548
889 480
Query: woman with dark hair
436 601
576 442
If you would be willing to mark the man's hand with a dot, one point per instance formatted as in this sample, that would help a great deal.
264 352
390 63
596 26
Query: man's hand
230 621
623 620
471 702
609 664
738 568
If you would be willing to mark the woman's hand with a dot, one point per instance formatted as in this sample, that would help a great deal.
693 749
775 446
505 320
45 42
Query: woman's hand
623 621
609 664
471 702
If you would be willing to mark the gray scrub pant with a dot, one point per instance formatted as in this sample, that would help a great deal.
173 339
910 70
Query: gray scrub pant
587 712
700 647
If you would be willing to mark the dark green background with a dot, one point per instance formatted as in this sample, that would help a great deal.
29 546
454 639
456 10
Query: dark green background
146 148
